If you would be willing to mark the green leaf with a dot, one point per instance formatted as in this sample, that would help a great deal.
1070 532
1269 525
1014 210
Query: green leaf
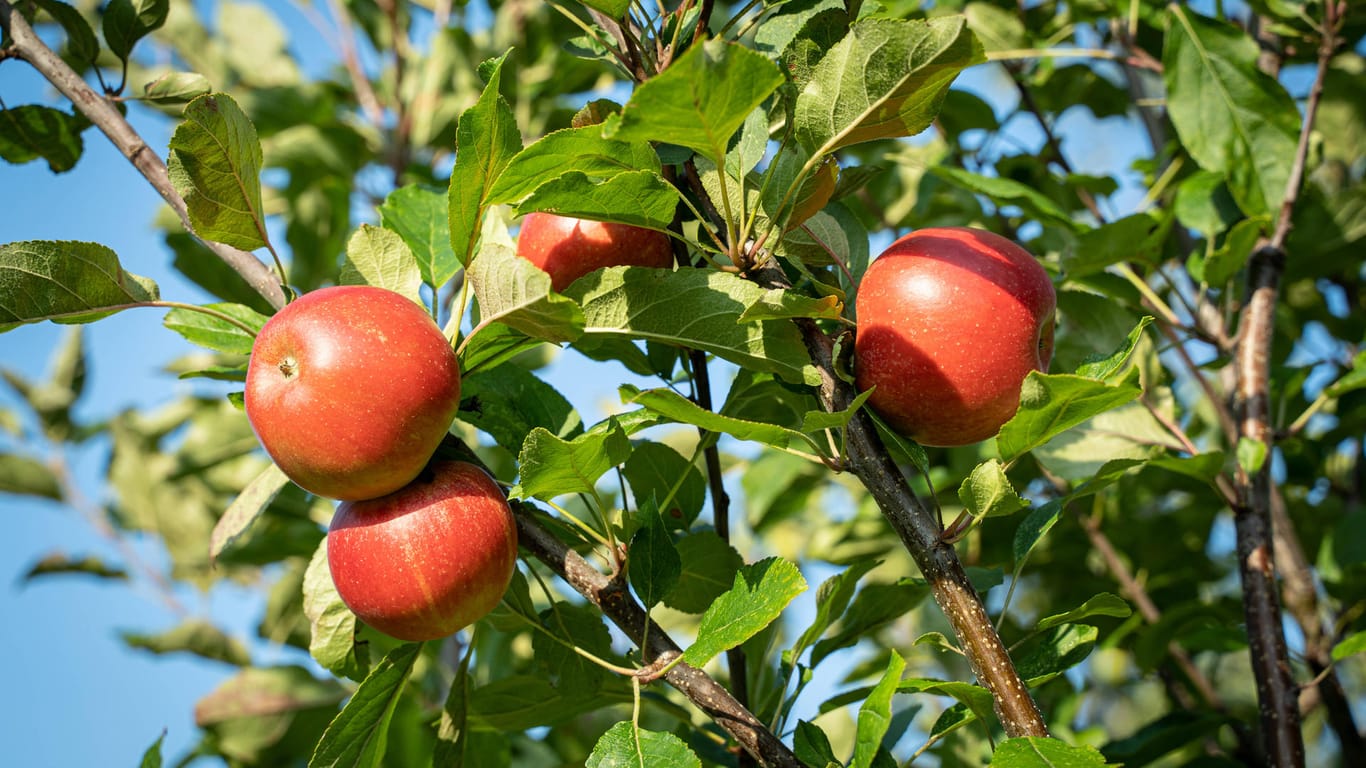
643 304
244 510
626 746
518 702
81 44
196 636
976 698
579 150
1133 238
176 88
1008 192
32 131
1232 255
1104 604
128 21
987 492
65 282
516 293
151 758
700 101
57 564
758 596
28 477
215 164
875 606
778 304
614 9
709 568
332 626
1105 368
1350 646
832 598
1353 379
657 471
553 467
1054 651
678 408
1034 527
1051 404
420 216
215 333
1044 752
1233 118
1204 204
509 401
876 713
638 198
575 626
886 79
380 257
812 747
358 735
815 421
654 566
487 138
1251 454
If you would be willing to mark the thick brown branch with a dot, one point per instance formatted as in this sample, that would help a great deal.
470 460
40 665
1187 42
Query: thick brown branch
920 533
616 602
102 113
1277 691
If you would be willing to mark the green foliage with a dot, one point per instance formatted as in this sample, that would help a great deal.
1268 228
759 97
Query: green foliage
780 147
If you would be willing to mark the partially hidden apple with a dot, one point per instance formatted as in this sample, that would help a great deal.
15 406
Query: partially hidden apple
428 559
350 389
567 248
950 322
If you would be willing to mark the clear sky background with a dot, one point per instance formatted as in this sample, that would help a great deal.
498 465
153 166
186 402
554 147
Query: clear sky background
75 695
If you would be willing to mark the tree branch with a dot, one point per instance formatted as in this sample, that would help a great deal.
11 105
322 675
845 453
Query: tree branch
920 533
615 601
1277 691
29 47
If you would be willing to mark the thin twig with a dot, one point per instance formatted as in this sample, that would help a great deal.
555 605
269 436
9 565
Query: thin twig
112 123
615 601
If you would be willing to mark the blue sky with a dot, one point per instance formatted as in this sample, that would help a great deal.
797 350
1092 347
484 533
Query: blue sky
76 695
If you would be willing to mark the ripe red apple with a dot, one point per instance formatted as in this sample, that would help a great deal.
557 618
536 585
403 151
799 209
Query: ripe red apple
950 321
567 249
428 559
350 389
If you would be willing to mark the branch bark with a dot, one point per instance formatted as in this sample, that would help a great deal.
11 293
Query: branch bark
104 116
916 525
615 601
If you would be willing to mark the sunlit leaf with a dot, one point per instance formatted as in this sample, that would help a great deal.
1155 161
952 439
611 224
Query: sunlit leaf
552 466
759 594
487 138
246 508
359 733
215 164
1042 752
1051 404
701 100
626 746
195 636
213 332
420 216
643 304
886 79
66 282
1232 117
875 713
987 492
380 257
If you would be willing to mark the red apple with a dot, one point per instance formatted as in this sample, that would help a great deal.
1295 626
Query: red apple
950 321
350 389
428 559
567 248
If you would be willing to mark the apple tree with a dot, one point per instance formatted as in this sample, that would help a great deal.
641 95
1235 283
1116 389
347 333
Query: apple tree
1155 560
